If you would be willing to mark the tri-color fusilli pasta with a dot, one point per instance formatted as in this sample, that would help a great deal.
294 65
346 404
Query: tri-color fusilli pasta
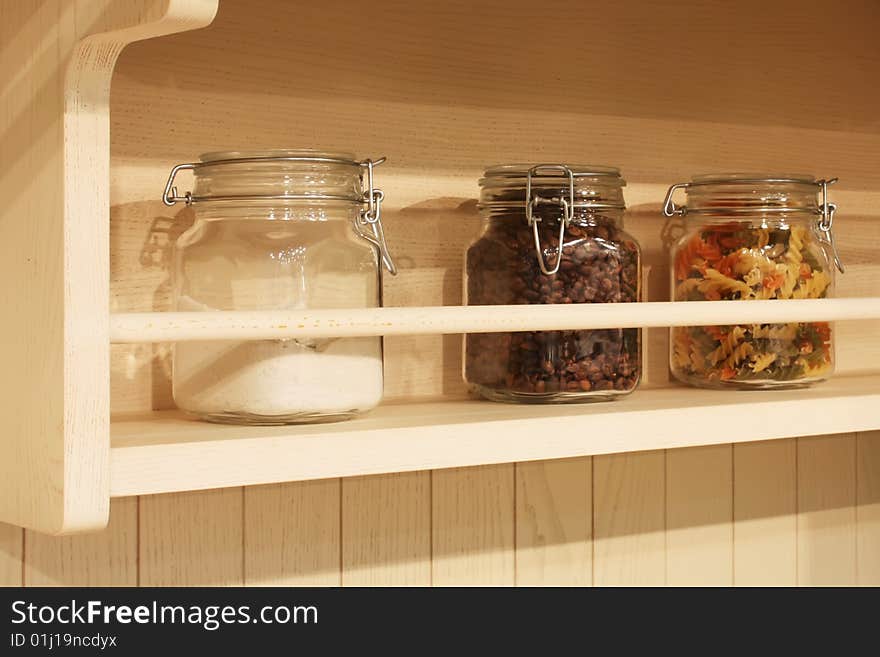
740 261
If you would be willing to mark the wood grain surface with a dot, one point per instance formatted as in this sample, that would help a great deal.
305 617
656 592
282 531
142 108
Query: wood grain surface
699 516
292 534
386 530
629 519
554 523
765 503
11 555
473 526
827 527
192 539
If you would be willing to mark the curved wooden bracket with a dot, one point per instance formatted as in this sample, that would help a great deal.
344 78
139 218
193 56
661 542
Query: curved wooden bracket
58 60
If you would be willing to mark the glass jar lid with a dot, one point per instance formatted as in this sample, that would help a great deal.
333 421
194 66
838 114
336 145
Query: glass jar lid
273 175
288 176
750 194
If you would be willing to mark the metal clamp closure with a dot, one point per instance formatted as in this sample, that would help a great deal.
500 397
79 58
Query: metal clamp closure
567 205
170 195
371 217
826 221
670 209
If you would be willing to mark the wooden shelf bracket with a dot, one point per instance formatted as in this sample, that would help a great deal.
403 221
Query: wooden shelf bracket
58 60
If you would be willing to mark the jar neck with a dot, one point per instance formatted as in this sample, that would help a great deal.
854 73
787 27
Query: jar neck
260 176
738 194
593 193
338 212
581 217
780 221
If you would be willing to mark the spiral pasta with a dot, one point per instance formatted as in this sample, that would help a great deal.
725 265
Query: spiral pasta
737 261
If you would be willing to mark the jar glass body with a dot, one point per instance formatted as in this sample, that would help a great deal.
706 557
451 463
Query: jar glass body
600 263
744 255
276 254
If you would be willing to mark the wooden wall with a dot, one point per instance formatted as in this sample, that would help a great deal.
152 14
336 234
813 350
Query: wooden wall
443 89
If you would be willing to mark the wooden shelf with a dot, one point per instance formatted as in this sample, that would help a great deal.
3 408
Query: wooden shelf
173 98
164 452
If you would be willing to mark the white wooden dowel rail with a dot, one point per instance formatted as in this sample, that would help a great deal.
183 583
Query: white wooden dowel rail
265 325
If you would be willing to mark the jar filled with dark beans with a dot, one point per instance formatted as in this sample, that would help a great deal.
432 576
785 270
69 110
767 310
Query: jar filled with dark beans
552 234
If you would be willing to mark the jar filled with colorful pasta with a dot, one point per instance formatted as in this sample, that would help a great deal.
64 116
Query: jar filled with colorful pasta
552 234
753 237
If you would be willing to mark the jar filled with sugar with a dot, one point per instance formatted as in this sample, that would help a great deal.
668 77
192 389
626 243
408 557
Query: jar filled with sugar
279 230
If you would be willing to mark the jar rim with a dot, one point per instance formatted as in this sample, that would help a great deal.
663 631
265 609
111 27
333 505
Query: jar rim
287 175
747 178
747 194
573 186
516 171
304 155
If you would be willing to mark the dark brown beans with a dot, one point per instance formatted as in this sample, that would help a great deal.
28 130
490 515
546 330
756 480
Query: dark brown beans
600 264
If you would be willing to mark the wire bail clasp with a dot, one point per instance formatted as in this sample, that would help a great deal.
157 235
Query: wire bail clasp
826 221
371 217
670 209
170 196
567 205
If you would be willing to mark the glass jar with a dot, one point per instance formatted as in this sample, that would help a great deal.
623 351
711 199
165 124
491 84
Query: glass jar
749 237
279 230
552 234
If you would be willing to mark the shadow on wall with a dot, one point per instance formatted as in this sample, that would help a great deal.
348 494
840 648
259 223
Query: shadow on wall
142 239
429 240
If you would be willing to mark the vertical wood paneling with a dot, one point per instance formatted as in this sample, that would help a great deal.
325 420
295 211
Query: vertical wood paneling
868 509
803 511
554 525
826 510
10 555
629 519
192 539
473 526
699 516
292 534
104 558
386 530
765 513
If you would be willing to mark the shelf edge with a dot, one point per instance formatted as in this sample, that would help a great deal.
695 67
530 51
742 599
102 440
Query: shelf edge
462 442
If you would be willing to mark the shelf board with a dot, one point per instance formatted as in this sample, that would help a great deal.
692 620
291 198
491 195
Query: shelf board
163 452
